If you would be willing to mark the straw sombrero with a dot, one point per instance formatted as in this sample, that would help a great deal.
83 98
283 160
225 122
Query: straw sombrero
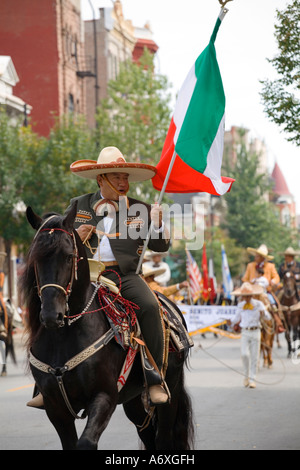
152 271
248 289
262 251
290 252
111 160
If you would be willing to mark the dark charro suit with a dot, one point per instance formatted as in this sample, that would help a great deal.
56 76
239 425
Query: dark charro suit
130 227
127 234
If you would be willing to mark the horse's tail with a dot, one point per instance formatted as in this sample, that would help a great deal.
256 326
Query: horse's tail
183 430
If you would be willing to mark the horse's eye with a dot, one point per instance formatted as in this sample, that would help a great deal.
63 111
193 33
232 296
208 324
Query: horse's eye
69 258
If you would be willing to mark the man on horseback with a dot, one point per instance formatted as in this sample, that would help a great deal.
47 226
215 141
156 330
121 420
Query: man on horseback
262 265
113 227
290 264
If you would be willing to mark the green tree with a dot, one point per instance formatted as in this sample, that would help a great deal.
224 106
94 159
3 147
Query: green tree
281 97
251 219
35 171
136 115
18 146
69 140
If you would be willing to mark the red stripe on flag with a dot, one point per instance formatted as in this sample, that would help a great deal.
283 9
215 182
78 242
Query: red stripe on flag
183 178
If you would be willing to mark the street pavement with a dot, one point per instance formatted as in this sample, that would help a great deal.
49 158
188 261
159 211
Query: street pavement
227 416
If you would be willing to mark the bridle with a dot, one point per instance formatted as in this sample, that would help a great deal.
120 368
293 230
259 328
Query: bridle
288 275
66 290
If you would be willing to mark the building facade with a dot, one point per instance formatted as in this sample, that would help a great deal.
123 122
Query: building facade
110 40
283 199
45 41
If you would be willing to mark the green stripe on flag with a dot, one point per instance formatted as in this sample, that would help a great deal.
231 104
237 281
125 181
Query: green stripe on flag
205 111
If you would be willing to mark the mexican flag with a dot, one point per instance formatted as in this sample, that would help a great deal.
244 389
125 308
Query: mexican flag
196 132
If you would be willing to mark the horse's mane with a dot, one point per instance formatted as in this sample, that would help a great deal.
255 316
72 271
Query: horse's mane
41 247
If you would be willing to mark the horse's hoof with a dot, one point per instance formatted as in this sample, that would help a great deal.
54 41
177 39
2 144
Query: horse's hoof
3 374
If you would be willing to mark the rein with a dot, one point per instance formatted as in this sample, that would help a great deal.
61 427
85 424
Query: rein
108 305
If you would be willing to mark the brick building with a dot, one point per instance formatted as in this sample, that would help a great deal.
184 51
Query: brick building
45 41
111 39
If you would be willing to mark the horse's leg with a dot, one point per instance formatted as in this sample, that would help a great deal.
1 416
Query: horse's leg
64 424
3 358
270 357
263 347
99 413
288 340
136 413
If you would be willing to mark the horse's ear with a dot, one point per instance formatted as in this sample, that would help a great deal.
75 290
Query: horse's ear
34 219
70 216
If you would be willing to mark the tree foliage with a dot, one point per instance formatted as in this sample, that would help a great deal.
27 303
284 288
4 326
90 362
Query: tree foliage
281 97
251 219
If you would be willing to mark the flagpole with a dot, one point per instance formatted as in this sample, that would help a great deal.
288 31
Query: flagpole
158 202
146 242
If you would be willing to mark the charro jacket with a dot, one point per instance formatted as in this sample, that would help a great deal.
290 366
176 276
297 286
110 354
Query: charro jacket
269 272
128 232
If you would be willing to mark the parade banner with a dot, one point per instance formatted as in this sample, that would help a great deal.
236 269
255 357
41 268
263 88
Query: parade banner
201 317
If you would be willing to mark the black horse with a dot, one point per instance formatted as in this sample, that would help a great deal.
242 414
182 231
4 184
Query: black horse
290 304
55 284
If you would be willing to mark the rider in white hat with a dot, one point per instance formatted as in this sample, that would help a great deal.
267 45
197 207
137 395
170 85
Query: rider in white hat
262 264
248 317
290 264
113 228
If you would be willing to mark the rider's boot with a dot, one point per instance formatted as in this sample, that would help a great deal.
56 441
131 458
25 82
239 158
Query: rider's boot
157 388
37 401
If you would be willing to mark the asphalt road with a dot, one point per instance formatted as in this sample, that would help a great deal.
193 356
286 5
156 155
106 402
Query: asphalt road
227 416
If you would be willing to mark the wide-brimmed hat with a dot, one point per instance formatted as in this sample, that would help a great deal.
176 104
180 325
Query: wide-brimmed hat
147 271
111 160
262 251
290 252
248 289
163 254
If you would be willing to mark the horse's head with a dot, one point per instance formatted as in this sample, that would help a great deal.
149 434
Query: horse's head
54 256
289 284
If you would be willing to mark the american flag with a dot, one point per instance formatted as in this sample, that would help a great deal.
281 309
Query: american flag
194 277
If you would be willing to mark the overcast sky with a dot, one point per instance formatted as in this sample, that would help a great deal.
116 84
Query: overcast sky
245 40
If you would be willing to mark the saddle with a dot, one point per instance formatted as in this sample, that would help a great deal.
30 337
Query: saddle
171 314
122 319
121 316
180 339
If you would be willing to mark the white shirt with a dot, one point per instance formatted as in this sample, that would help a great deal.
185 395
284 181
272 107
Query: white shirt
250 318
104 252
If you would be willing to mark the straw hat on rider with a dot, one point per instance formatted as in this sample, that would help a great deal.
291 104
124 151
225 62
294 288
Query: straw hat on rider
290 252
111 160
262 251
248 289
152 271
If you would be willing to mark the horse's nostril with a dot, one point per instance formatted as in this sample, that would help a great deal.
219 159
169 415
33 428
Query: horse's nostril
60 317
